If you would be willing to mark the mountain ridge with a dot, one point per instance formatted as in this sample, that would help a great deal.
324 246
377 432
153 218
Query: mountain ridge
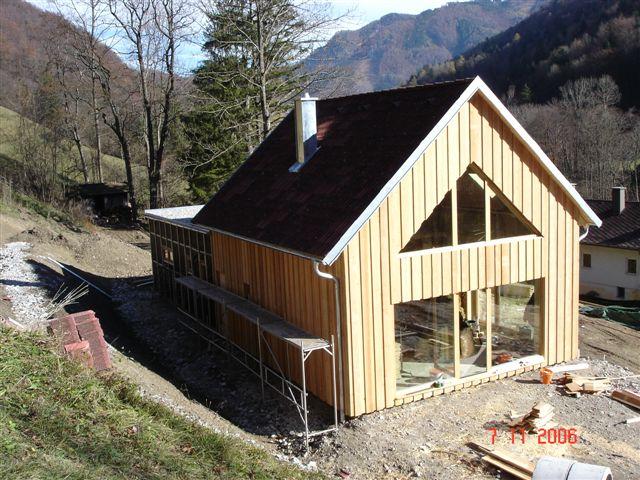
385 52
562 41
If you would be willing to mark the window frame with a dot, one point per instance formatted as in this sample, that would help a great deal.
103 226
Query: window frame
489 187
584 257
634 262
492 368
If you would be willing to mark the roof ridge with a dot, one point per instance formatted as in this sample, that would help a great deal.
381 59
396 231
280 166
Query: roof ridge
403 88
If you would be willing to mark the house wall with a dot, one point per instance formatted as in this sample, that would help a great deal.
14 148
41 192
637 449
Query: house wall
286 285
376 278
608 271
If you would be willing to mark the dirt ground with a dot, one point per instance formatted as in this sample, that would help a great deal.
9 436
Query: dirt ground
424 439
610 340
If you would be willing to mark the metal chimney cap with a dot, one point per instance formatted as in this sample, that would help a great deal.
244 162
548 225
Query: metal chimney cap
307 97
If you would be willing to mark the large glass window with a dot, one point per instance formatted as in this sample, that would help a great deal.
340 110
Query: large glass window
473 333
471 210
505 223
472 192
424 341
436 231
515 322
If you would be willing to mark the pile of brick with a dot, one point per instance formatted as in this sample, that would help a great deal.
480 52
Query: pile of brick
82 338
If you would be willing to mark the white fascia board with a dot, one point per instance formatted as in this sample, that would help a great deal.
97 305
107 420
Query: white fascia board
477 85
399 175
549 166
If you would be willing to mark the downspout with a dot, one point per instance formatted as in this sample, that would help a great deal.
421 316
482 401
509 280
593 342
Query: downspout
584 235
336 284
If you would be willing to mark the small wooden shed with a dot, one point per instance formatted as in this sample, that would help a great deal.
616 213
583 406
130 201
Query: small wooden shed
420 230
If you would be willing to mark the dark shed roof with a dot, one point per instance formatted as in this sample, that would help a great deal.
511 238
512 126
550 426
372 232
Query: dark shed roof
617 230
363 139
99 189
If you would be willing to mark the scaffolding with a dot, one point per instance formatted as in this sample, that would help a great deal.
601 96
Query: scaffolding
266 322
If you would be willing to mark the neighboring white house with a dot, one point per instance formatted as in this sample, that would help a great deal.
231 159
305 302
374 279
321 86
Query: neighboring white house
610 255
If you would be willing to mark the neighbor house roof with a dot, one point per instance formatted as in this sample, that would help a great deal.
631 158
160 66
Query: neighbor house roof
617 230
368 142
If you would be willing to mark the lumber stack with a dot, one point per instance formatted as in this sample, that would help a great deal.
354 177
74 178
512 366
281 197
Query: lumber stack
539 417
506 462
576 385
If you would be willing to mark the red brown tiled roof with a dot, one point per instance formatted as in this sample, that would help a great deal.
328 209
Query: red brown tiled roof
363 139
617 230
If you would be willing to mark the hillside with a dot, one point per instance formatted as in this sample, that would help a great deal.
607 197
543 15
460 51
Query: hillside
26 32
565 40
59 420
113 167
384 53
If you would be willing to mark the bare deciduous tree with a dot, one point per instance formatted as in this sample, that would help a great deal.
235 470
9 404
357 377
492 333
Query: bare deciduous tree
594 143
151 32
271 37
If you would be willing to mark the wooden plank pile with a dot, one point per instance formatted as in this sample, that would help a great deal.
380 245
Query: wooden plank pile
576 385
506 462
539 417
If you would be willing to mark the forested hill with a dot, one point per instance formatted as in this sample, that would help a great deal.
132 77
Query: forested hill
384 53
564 40
27 35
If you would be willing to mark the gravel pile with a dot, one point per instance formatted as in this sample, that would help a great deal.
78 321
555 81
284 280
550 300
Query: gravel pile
27 292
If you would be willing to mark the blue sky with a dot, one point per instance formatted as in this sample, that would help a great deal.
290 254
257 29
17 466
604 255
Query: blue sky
362 12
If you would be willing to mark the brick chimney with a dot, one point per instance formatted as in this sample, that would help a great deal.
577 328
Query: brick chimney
617 195
306 131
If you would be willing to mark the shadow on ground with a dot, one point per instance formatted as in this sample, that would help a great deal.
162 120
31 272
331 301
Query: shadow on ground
146 327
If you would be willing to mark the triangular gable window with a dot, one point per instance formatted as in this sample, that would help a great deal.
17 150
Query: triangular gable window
473 197
435 231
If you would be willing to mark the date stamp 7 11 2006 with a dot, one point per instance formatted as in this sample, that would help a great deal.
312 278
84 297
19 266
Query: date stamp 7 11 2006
545 436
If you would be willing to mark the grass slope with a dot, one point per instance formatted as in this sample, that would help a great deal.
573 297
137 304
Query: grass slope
113 167
60 420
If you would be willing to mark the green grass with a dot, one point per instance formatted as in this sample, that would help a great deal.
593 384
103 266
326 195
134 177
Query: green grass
60 420
112 167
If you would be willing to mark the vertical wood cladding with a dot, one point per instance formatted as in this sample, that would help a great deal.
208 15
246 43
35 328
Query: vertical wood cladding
287 286
375 277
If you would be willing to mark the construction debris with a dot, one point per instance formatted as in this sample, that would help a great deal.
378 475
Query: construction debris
539 417
517 467
575 385
82 339
627 397
569 368
632 420
554 468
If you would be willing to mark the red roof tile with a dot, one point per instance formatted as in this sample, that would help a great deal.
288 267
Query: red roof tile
83 338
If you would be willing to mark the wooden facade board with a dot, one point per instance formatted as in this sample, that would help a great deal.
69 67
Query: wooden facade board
476 135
